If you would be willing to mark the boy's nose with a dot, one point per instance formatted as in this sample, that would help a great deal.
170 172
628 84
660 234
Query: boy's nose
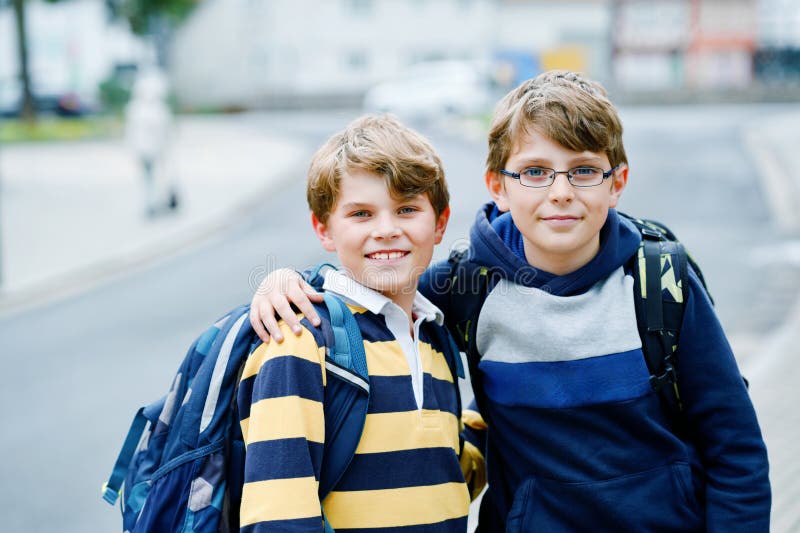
561 189
386 228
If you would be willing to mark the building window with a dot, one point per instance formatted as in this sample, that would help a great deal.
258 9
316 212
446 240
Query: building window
357 60
359 7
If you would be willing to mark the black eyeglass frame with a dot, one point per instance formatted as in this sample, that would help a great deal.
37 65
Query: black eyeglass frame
518 176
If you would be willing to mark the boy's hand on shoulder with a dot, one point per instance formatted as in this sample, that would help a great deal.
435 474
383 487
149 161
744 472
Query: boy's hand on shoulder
275 294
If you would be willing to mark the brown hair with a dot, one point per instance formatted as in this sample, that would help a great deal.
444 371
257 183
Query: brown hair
564 106
380 145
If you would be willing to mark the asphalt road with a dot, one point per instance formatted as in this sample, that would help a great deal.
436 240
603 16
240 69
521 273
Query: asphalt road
75 371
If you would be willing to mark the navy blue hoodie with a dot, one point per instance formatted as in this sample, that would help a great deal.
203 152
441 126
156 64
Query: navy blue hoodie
578 440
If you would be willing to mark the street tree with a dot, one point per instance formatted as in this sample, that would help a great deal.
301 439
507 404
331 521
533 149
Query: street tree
154 19
146 17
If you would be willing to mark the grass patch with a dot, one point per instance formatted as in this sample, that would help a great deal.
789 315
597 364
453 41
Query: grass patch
59 129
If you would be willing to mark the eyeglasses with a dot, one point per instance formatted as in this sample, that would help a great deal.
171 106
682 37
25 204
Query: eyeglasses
540 177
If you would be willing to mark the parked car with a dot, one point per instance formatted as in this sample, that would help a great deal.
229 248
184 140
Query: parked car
432 89
47 102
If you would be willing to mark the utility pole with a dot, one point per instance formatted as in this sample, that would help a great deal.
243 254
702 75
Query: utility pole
28 112
1 219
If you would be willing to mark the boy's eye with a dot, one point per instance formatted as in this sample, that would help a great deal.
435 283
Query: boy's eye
407 209
359 214
535 172
584 171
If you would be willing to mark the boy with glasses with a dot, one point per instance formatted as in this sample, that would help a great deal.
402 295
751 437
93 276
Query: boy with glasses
577 439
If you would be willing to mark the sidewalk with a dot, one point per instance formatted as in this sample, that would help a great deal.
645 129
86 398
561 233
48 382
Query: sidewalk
73 213
773 368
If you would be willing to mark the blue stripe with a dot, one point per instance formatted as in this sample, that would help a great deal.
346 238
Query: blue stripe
400 469
439 394
596 380
283 459
455 525
373 327
280 377
298 525
391 394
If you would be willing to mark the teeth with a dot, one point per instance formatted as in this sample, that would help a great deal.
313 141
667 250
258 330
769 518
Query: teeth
387 255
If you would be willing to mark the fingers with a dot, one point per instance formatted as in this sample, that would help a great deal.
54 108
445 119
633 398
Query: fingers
267 316
285 312
301 295
276 294
258 326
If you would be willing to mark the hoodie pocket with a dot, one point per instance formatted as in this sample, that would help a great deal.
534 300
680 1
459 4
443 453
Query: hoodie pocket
659 499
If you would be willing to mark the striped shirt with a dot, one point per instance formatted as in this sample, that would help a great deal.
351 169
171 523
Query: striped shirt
406 471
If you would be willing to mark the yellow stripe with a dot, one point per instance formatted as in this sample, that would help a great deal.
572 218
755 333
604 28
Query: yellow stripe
285 418
385 358
409 430
304 346
279 499
356 309
434 363
397 507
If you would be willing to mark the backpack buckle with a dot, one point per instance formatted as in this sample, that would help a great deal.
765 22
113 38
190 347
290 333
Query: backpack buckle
650 233
110 495
669 375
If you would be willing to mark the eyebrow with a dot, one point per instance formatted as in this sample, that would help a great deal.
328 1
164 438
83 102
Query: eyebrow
576 162
355 205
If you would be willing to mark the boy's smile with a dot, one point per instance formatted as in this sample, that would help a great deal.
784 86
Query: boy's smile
560 224
384 243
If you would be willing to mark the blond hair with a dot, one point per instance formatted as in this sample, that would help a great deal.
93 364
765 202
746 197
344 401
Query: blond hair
380 145
562 105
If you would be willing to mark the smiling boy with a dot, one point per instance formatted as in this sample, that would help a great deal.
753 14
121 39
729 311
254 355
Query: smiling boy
578 440
379 200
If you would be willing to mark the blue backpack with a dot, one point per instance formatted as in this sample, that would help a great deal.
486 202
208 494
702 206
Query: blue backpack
181 467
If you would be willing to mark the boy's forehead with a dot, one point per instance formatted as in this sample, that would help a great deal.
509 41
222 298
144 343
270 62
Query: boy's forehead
532 143
363 186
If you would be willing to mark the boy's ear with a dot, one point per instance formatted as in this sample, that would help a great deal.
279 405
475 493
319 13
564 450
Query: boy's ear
441 225
496 186
323 233
618 183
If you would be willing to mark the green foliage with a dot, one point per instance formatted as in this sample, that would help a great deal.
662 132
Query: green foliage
115 93
60 129
141 13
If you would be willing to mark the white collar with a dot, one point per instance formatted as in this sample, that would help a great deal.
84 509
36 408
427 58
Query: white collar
373 301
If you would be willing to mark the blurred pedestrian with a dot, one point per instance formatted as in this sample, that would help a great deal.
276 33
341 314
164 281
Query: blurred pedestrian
148 128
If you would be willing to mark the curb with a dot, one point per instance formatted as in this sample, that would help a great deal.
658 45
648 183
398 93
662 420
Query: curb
119 265
781 191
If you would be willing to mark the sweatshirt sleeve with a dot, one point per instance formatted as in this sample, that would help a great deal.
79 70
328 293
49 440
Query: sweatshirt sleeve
723 422
281 415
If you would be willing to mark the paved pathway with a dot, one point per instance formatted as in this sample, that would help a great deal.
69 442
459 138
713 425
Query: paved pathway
74 213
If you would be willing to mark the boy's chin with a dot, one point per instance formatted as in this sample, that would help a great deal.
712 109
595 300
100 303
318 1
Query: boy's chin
390 286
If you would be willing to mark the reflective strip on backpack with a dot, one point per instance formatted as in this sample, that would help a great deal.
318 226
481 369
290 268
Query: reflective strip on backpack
165 416
347 375
219 373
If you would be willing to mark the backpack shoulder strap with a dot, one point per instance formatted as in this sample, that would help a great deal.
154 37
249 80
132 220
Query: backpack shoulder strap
346 393
660 278
467 289
348 349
